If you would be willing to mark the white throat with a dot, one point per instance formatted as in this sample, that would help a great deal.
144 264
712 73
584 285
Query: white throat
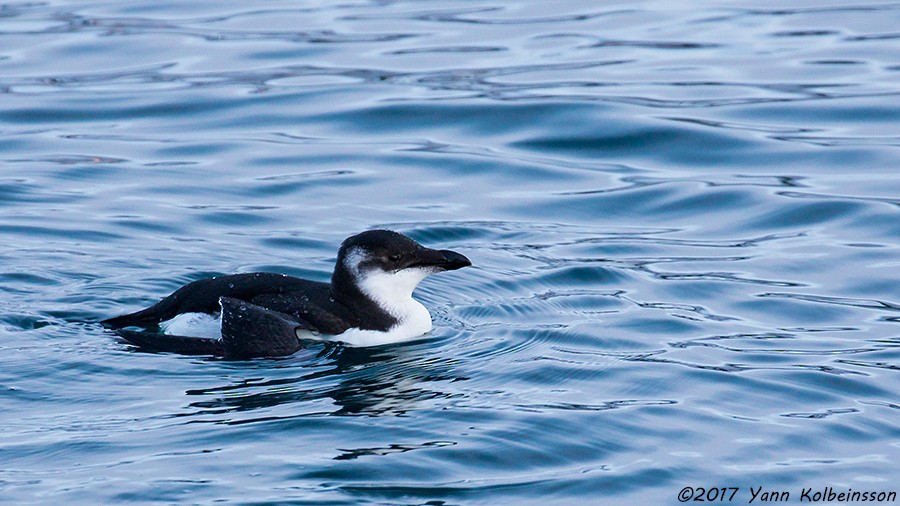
392 291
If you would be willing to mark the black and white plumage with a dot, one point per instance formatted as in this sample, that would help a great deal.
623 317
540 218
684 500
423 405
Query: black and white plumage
368 302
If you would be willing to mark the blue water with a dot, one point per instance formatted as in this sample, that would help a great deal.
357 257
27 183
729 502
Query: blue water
683 218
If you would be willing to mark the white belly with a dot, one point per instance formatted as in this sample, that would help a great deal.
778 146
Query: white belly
408 330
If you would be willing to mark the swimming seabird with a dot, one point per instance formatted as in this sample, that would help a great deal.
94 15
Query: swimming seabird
259 314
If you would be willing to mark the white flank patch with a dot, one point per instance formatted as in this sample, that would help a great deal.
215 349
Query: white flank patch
193 325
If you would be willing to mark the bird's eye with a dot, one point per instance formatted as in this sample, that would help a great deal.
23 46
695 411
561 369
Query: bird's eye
395 258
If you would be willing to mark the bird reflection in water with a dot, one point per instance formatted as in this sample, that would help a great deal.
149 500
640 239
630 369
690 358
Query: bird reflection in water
335 381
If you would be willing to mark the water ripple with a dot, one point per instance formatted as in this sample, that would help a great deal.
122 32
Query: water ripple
844 301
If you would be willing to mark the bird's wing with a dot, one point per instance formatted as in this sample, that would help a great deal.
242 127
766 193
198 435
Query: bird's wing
250 331
314 308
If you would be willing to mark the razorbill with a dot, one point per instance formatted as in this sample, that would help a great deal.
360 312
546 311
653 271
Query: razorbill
259 314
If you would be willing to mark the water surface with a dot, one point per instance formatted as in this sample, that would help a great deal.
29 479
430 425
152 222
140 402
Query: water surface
683 219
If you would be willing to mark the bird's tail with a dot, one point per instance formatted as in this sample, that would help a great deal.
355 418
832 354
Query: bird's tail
175 344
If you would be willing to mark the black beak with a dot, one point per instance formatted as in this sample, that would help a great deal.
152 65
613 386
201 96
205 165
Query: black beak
453 260
442 259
